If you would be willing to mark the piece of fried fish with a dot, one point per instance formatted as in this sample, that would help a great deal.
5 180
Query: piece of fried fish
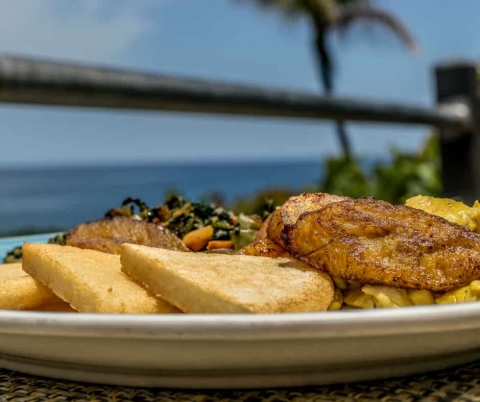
375 242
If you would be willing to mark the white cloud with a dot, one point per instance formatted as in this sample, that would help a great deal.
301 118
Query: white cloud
89 31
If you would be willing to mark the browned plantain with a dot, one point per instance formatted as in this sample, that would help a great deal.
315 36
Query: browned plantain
107 235
374 242
295 206
262 233
263 248
275 227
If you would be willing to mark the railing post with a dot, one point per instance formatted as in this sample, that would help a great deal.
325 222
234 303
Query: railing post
460 149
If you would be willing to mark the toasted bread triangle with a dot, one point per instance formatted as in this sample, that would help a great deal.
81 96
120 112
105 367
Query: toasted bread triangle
19 291
215 283
90 281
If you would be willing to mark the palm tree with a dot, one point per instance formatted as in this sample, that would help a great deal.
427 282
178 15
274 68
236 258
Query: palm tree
326 16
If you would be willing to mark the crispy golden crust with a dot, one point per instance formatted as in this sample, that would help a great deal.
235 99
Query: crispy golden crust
19 291
263 248
107 235
293 208
374 242
90 281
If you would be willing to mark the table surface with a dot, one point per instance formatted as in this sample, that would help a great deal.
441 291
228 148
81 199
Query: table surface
458 384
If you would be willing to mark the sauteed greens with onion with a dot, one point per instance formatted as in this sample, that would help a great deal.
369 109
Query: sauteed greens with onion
183 218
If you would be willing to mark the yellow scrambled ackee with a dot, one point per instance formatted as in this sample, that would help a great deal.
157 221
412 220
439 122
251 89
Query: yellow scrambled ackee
451 210
356 295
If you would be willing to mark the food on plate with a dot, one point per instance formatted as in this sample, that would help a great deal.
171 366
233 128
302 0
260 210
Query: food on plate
262 232
107 235
374 242
263 248
216 283
19 291
293 208
56 307
198 239
90 281
183 225
344 232
451 210
199 224
316 252
220 245
464 294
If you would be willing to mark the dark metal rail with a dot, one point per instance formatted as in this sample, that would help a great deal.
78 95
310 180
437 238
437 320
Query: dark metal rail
26 81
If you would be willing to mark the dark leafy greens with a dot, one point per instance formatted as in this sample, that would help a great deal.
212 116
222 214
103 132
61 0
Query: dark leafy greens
181 216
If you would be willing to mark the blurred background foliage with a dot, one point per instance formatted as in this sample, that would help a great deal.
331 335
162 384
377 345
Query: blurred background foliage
402 176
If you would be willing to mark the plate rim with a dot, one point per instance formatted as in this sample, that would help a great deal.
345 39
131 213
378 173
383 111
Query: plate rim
321 325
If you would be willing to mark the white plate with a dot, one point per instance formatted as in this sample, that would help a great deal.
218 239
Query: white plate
238 351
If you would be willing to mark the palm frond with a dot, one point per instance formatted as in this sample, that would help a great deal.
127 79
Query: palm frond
353 3
351 15
288 8
292 9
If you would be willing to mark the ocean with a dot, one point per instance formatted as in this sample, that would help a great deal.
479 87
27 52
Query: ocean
58 198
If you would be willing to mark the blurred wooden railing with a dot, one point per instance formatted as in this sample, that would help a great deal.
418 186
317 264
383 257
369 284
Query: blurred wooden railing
42 82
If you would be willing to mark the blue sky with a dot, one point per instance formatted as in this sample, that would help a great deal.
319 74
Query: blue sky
225 40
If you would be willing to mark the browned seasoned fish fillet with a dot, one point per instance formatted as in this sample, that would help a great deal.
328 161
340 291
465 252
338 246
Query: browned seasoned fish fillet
263 248
295 206
374 242
107 235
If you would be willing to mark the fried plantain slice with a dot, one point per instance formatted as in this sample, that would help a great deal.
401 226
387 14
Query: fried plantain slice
262 233
275 227
378 243
107 235
295 206
263 248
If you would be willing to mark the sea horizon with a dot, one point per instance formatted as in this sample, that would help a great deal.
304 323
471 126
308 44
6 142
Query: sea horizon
60 197
186 162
